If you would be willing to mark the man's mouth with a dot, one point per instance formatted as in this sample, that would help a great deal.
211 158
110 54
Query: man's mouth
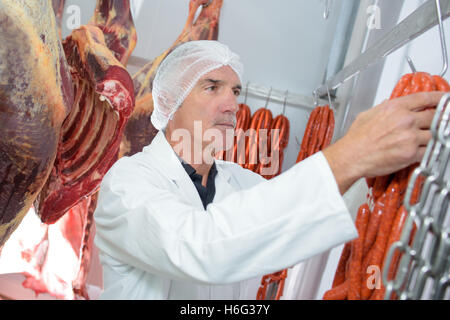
230 125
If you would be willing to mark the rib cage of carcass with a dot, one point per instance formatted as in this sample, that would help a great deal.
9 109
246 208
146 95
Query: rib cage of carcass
63 109
59 137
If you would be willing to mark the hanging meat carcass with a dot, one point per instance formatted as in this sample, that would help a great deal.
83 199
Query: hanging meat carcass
36 95
105 46
104 100
139 131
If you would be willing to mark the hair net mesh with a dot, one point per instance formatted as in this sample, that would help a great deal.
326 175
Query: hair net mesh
180 71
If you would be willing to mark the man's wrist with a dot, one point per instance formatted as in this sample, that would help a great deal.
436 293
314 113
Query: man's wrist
344 164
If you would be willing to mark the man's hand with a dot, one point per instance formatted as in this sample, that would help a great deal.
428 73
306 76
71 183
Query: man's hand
384 139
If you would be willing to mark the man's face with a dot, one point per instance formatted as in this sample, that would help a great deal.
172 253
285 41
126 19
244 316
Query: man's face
211 103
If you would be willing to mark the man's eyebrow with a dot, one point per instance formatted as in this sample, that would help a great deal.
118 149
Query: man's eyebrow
211 80
215 81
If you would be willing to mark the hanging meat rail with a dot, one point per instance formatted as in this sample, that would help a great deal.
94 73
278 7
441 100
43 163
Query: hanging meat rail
417 23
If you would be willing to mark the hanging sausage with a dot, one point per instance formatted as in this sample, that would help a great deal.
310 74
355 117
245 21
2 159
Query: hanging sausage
355 272
318 134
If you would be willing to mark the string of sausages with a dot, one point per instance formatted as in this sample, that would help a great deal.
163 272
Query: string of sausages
358 274
259 141
250 142
318 134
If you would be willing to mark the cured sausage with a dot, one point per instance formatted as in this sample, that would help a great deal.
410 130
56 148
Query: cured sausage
354 289
339 276
338 293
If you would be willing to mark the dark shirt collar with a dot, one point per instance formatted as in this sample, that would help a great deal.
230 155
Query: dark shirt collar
206 193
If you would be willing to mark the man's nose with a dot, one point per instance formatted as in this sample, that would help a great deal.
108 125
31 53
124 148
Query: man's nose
230 104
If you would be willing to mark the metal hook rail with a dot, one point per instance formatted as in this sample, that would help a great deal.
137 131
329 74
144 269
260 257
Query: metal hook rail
284 97
417 23
327 9
424 267
443 44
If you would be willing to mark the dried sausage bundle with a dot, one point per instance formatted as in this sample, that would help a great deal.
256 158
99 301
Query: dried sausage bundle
278 138
243 122
318 135
358 274
259 127
259 141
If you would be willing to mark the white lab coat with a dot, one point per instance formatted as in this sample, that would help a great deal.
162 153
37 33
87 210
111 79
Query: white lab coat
156 240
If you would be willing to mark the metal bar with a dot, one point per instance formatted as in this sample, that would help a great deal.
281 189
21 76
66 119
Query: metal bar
418 22
283 97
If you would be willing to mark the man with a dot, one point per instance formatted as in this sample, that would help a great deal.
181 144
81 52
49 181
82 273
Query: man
172 224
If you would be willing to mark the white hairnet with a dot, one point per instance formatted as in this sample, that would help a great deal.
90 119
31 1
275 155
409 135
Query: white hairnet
180 71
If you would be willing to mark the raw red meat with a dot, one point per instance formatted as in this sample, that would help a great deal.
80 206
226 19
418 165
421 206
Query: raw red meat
104 100
36 95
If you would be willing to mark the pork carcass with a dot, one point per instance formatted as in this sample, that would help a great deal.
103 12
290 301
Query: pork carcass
36 95
139 131
104 99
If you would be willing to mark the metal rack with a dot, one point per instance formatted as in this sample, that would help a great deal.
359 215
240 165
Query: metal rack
417 23
424 267
292 99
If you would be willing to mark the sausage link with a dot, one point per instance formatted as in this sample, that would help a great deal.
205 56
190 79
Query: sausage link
416 82
354 288
374 222
315 133
252 141
396 232
284 133
339 276
365 290
322 130
330 130
380 185
379 247
428 84
401 85
309 128
337 293
441 84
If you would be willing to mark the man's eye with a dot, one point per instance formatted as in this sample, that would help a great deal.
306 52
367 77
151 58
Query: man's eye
211 88
237 93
